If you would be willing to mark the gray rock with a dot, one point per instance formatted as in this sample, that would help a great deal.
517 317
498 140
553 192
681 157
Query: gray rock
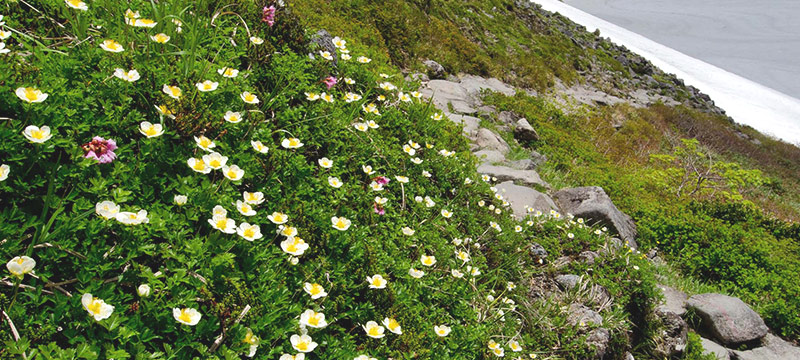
417 76
537 158
488 140
523 131
471 124
524 164
507 117
324 40
600 295
674 300
446 93
538 251
504 173
772 348
474 84
710 347
592 203
588 257
582 315
729 319
568 281
490 156
673 337
599 338
435 70
522 197
629 356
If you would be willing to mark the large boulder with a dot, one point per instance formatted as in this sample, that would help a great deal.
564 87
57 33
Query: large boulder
446 92
522 198
772 348
674 300
471 123
568 281
592 203
729 319
488 140
489 156
524 131
710 347
505 173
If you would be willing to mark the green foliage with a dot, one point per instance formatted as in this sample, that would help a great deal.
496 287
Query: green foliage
693 172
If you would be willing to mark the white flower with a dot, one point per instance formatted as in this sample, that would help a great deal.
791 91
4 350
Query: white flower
416 160
204 143
111 46
462 255
253 198
222 223
313 319
409 150
367 169
340 223
151 130
259 147
233 172
335 182
129 76
207 86
244 208
106 209
380 200
326 55
256 40
401 179
426 174
303 343
249 98
403 97
228 72
407 231
4 171
4 34
198 165
315 290
187 316
180 199
31 95
364 59
133 218
346 57
291 143
415 273
299 356
143 290
77 4
249 232
446 213
339 43
20 265
172 91
373 330
392 325
441 330
361 126
376 282
456 273
3 49
294 246
215 160
97 308
427 260
325 162
376 186
350 97
278 218
160 38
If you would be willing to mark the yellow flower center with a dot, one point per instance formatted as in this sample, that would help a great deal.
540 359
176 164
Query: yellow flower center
75 3
94 307
292 248
222 223
313 320
249 97
146 21
207 86
249 232
373 331
376 282
199 165
185 317
340 224
302 346
161 38
113 45
214 163
37 134
232 174
228 72
315 289
278 218
20 261
31 94
151 131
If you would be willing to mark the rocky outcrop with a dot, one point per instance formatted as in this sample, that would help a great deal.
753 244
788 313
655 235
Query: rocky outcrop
486 139
583 316
599 339
568 281
592 204
772 348
673 337
674 300
729 319
523 198
523 131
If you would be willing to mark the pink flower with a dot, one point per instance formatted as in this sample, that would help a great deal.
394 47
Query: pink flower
100 149
383 180
330 81
268 15
378 209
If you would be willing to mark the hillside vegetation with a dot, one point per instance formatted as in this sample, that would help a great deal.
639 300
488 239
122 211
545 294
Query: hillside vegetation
721 208
182 181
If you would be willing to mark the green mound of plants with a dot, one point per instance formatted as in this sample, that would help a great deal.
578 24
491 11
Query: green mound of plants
180 180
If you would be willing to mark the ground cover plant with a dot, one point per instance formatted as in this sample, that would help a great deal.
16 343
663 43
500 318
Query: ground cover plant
181 180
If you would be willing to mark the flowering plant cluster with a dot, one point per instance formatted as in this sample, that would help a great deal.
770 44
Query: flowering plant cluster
165 195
